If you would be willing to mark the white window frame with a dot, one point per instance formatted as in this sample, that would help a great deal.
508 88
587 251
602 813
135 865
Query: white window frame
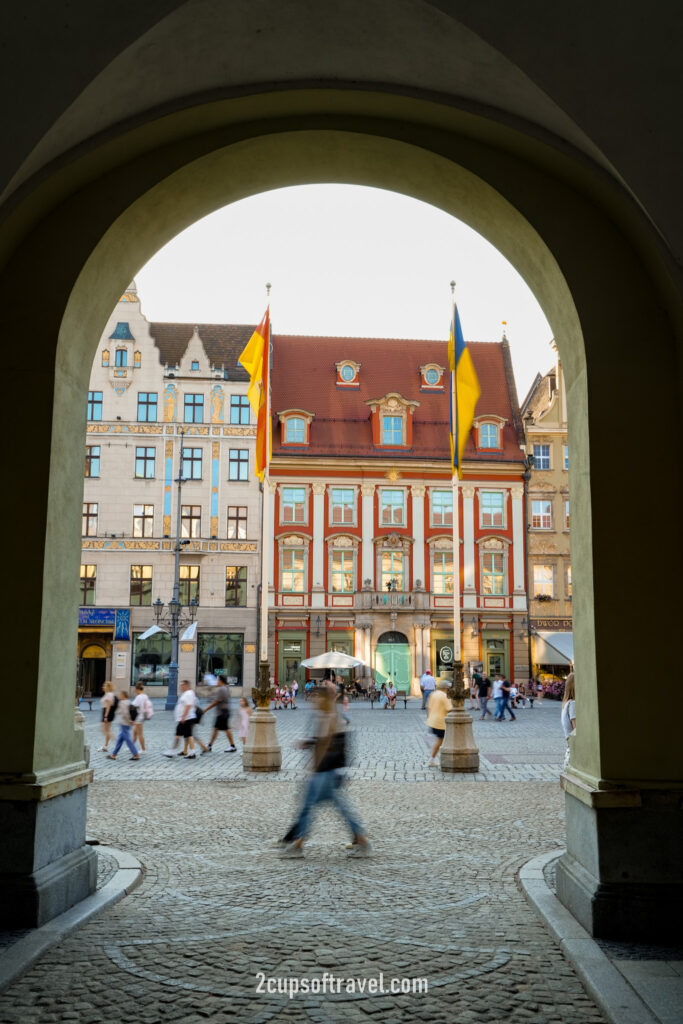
289 423
502 525
283 502
392 522
447 518
537 465
489 426
354 503
397 419
441 557
404 569
542 515
483 554
540 585
346 553
286 550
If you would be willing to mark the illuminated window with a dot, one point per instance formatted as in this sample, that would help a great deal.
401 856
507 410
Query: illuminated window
237 522
235 586
191 521
141 584
543 580
88 581
143 520
492 573
392 570
189 584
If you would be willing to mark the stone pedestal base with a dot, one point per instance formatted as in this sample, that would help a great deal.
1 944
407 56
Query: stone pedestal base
262 751
622 874
45 866
459 752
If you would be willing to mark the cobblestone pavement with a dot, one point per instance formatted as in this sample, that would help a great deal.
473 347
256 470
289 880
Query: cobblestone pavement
437 900
385 745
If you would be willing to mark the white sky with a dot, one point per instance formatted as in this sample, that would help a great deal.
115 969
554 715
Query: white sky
350 261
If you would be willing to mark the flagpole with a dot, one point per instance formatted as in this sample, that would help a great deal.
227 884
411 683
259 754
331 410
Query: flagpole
457 645
458 751
265 513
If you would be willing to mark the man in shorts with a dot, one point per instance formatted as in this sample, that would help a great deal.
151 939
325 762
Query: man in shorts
221 703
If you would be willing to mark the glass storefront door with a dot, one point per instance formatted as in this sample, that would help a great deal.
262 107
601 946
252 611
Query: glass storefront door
496 655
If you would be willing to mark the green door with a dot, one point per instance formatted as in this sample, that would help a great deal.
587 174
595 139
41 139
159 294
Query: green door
393 661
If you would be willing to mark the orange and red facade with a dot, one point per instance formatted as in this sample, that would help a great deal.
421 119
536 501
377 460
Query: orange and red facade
361 504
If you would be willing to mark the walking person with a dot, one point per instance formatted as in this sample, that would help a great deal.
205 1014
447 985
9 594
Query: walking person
324 784
221 702
245 715
108 702
123 717
483 689
427 686
143 712
475 703
439 706
568 713
497 693
185 713
506 690
295 690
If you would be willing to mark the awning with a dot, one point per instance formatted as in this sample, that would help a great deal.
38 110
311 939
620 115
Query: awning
553 648
332 659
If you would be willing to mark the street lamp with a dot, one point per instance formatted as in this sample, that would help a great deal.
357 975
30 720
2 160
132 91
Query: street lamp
526 477
174 621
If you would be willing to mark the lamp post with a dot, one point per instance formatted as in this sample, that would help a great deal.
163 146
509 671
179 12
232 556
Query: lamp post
526 477
173 620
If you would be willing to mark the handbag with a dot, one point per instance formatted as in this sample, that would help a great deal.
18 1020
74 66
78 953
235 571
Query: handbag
199 711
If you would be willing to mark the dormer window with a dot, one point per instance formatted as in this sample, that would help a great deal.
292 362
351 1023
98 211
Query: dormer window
295 430
391 419
489 432
392 430
488 436
432 377
195 364
121 357
295 426
347 374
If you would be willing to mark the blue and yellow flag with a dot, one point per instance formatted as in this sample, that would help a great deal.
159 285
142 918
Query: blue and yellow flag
465 390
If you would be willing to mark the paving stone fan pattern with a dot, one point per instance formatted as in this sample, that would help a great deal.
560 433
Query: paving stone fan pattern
438 900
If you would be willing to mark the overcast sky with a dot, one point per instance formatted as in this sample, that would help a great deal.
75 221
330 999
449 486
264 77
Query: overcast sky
350 261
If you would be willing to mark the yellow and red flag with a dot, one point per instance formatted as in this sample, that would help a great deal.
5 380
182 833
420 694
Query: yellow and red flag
255 359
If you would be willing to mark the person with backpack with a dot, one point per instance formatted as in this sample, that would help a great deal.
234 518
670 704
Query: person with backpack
324 784
141 710
186 717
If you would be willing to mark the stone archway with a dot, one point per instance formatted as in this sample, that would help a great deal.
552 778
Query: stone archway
542 209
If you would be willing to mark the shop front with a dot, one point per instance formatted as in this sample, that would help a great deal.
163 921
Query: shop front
292 649
221 655
495 649
341 642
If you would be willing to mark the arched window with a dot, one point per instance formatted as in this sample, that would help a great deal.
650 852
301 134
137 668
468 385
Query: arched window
295 431
121 357
488 436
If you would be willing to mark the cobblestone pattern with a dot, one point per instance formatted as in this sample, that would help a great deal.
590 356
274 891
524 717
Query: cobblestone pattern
386 745
437 900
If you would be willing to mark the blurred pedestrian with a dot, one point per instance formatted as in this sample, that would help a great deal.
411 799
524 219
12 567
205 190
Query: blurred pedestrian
439 706
427 686
483 689
108 702
294 692
324 784
143 712
185 713
497 693
221 702
125 722
505 691
568 713
475 682
245 715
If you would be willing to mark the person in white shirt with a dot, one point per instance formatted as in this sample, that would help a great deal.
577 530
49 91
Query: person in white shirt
144 712
391 696
185 716
497 694
427 685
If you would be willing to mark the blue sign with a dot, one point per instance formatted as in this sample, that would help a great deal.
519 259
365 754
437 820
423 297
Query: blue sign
119 618
122 628
96 616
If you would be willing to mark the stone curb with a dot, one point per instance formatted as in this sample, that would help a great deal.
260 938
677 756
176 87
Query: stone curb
605 984
26 951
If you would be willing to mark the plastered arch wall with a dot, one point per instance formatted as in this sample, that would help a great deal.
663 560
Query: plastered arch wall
580 247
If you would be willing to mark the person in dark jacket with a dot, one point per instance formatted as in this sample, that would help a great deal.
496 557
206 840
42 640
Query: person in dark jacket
329 757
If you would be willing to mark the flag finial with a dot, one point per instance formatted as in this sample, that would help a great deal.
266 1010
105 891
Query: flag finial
453 288
505 324
268 287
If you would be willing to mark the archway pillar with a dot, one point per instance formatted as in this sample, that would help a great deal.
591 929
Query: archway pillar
45 865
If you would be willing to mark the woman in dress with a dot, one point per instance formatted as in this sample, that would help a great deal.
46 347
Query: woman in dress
108 702
568 713
383 697
245 715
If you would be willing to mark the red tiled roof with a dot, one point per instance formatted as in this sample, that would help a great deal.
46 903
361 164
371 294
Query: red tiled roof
304 377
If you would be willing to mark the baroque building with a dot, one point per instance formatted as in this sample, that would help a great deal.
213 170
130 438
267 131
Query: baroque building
362 505
153 386
550 569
